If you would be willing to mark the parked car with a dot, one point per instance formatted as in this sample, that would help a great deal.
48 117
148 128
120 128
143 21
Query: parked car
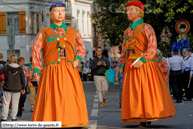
87 74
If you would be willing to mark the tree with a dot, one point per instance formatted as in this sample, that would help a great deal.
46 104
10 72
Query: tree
167 13
110 22
112 19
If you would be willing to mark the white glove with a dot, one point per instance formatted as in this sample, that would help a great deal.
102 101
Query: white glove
75 63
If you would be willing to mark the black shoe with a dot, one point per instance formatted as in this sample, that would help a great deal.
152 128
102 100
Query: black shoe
3 120
149 123
32 110
14 119
19 115
178 101
142 124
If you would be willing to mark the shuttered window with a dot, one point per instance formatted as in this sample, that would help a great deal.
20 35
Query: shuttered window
22 22
3 23
13 23
37 22
32 22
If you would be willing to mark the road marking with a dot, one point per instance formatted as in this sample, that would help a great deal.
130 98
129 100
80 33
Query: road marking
95 105
94 112
92 124
96 100
87 82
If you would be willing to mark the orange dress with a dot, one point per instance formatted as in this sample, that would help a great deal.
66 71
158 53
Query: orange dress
60 95
145 95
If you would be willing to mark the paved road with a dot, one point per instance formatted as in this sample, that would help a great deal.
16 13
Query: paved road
109 117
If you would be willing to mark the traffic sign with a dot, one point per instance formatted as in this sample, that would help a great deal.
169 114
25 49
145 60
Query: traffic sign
166 32
182 26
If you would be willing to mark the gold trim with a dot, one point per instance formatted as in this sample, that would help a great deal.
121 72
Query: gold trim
136 56
75 125
136 120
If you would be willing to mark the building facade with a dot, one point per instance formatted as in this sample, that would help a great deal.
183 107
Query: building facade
82 12
21 20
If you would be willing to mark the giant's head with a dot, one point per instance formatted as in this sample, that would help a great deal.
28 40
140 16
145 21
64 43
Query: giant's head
135 9
57 12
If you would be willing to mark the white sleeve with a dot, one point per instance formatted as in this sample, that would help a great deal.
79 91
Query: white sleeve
191 65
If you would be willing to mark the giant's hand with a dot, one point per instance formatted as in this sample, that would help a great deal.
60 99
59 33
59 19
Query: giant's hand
75 63
36 76
138 64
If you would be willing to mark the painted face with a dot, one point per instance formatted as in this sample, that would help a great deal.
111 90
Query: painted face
132 13
58 14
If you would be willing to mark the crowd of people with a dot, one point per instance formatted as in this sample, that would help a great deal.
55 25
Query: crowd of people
15 80
180 75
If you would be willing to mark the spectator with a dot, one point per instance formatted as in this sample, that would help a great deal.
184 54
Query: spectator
99 65
119 78
80 69
190 52
22 99
14 85
163 64
176 64
2 63
187 74
32 88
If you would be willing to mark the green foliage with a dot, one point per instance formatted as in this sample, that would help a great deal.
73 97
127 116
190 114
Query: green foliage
112 19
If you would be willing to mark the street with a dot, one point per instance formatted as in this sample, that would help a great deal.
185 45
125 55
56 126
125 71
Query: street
109 117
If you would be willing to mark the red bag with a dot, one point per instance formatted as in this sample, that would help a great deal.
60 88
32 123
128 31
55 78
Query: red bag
3 77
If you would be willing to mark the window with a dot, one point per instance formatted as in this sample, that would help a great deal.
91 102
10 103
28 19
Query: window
78 20
68 6
88 24
13 20
17 52
3 26
34 22
83 22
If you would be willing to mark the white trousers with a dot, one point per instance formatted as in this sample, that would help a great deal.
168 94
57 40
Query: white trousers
101 86
7 97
